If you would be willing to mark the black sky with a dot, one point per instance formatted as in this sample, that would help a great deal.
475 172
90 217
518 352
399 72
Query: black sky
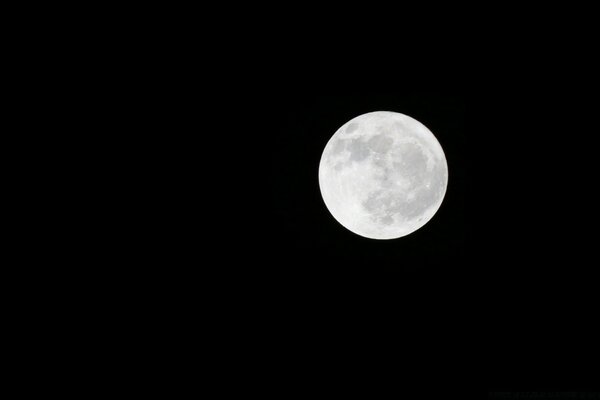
496 289
484 281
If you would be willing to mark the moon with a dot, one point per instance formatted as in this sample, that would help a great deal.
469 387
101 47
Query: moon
383 175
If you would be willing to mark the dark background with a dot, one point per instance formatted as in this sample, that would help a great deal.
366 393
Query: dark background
495 289
496 292
334 300
188 194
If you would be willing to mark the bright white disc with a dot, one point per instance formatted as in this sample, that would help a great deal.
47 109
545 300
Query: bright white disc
383 175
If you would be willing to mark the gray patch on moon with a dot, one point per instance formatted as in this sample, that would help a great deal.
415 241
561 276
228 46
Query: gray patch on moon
381 143
413 163
338 146
358 151
352 126
413 157
387 220
424 190
380 201
422 200
425 194
381 205
399 126
387 204
378 162
386 180
338 166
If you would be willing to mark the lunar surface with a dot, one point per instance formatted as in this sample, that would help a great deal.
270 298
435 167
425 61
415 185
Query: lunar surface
383 175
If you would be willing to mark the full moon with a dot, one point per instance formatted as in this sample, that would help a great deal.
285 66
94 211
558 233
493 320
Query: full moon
383 175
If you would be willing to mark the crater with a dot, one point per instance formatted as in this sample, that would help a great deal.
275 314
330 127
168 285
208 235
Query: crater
373 202
380 143
412 162
381 201
421 200
338 146
358 150
387 220
352 126
340 165
399 126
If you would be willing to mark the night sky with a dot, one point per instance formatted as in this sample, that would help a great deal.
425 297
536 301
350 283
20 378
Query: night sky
482 282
